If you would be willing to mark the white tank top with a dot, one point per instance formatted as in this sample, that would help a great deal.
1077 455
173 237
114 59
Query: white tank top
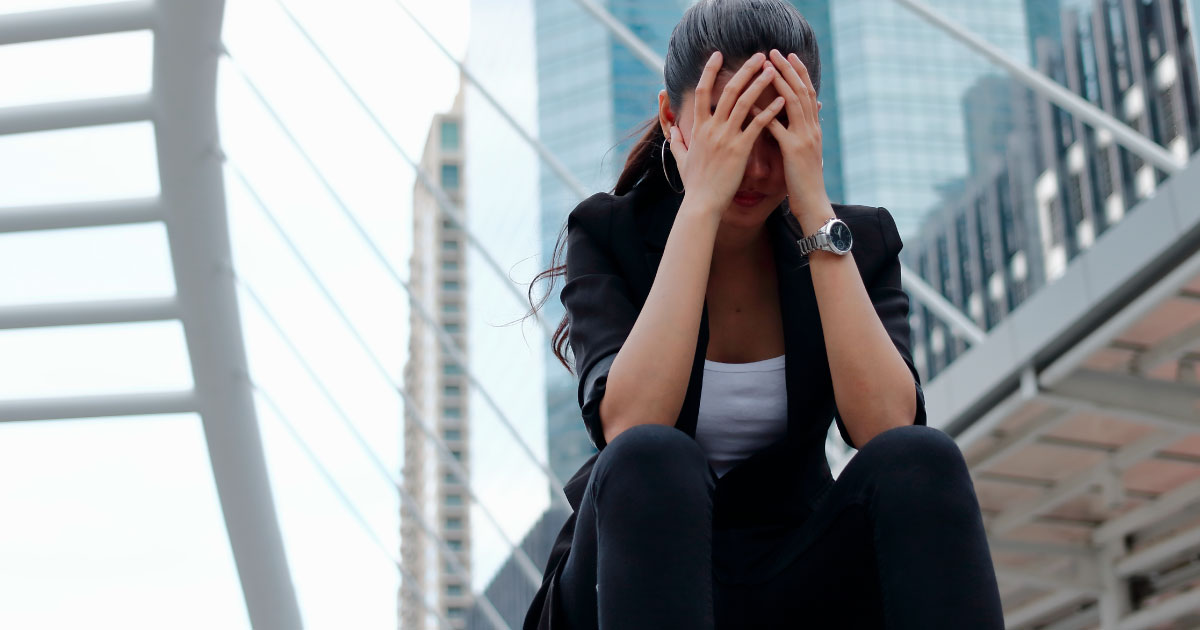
743 408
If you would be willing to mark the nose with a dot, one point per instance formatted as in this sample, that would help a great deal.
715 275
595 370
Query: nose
758 165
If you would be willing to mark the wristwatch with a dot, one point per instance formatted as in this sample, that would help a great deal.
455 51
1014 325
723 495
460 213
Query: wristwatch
833 236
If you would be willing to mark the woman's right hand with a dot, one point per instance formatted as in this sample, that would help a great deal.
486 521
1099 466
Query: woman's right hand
713 161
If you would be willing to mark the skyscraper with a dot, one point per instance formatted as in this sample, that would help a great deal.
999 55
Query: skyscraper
436 388
592 95
901 82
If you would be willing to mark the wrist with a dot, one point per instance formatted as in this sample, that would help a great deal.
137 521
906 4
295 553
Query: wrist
702 208
812 216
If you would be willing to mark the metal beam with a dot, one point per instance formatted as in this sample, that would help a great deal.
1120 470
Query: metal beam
1122 459
1049 582
1160 291
186 51
1168 349
109 110
548 158
1040 548
1050 90
1166 504
1041 607
1151 401
71 408
74 215
959 323
96 19
1160 552
88 313
1027 434
644 53
1164 611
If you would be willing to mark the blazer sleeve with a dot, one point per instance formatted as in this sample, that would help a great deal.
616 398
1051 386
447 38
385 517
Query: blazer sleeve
892 305
599 306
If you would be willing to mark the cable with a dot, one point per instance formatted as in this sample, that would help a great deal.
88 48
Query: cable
445 456
451 349
447 341
405 574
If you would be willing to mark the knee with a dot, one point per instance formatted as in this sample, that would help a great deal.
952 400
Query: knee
911 454
654 452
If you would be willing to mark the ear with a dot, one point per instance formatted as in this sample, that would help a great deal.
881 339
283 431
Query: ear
666 117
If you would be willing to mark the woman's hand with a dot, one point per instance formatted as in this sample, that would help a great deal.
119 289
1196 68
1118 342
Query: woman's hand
713 162
800 140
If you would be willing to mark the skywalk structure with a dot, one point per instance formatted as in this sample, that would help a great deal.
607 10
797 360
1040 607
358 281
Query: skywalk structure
1078 406
436 385
190 204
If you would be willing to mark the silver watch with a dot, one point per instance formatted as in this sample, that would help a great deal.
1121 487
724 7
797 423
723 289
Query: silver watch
833 236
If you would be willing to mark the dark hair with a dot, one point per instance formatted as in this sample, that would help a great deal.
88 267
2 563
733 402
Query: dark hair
737 28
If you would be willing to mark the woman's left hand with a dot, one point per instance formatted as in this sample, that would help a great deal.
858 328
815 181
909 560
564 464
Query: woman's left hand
800 140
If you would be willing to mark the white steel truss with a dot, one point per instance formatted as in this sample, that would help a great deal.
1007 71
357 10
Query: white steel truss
191 205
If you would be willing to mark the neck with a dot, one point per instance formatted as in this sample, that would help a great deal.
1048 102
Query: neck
736 245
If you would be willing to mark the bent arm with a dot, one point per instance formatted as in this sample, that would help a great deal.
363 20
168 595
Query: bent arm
648 378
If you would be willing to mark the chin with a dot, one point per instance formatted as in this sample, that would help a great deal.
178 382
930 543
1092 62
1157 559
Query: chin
750 216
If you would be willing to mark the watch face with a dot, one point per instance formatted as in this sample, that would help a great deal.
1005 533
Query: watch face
839 236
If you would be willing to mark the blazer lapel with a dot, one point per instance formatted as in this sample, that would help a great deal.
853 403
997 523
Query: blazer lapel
807 372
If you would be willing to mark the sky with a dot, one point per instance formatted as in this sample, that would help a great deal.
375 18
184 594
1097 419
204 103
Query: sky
115 523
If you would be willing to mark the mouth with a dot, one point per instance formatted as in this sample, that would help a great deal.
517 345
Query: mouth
748 197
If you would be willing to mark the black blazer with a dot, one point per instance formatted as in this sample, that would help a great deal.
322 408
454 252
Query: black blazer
614 245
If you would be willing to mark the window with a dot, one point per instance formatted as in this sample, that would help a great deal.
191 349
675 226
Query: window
450 285
455 612
452 434
451 307
454 499
449 265
454 523
453 412
451 390
451 478
450 139
457 455
450 176
451 368
453 328
449 246
454 545
454 589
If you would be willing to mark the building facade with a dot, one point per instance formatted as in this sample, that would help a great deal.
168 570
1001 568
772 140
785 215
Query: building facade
1019 223
593 95
437 388
900 86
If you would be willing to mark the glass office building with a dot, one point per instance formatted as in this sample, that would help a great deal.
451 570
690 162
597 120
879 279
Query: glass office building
592 94
901 84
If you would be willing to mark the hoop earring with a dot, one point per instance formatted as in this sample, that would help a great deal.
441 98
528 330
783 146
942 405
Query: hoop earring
662 155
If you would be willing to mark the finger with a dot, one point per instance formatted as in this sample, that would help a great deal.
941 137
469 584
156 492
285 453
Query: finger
703 95
678 150
792 76
747 99
791 100
734 87
764 117
802 70
789 72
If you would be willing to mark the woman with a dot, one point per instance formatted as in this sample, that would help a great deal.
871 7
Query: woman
714 506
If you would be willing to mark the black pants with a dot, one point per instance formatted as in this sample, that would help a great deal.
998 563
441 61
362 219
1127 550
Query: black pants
896 542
